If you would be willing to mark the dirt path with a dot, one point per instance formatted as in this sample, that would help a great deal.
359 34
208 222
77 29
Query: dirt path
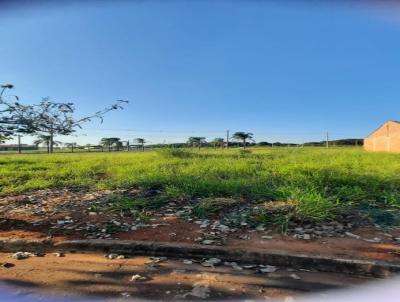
92 275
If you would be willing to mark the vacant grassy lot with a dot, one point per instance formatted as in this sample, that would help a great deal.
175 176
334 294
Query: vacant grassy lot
317 184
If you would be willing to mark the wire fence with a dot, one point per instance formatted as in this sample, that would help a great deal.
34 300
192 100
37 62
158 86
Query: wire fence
90 140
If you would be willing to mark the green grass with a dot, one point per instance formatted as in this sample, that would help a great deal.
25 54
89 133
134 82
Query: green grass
320 183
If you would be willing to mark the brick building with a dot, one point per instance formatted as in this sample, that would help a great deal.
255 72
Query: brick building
385 138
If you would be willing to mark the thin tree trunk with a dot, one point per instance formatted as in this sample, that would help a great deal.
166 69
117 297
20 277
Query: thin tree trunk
51 141
244 144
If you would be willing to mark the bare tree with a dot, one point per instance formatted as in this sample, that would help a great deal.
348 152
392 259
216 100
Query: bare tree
14 117
47 117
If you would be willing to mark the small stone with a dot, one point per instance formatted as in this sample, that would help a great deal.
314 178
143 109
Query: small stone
245 237
374 240
112 256
136 278
185 261
21 255
260 228
267 237
267 268
223 228
125 294
59 254
234 265
306 237
351 235
211 262
208 242
295 276
157 259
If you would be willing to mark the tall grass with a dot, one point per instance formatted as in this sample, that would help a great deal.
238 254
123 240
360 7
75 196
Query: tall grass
322 183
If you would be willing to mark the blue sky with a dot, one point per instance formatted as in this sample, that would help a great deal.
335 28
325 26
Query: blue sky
284 70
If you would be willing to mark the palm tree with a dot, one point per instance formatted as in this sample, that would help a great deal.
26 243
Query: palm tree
196 141
243 136
219 141
43 139
140 141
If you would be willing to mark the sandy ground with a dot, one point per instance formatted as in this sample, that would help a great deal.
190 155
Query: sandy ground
94 276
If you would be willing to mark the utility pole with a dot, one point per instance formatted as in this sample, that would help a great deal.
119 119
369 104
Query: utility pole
19 144
327 139
227 139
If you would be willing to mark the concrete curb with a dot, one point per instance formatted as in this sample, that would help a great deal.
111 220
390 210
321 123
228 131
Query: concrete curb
378 269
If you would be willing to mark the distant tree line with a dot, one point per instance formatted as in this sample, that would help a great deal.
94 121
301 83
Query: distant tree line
116 144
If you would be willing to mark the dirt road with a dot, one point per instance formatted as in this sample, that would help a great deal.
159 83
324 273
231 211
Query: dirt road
93 275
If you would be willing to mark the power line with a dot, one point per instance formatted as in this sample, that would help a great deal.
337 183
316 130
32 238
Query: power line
222 131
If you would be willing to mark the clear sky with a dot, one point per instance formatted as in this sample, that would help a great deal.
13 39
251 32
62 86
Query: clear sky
284 70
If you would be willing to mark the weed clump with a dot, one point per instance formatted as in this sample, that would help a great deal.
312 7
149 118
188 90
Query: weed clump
176 153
